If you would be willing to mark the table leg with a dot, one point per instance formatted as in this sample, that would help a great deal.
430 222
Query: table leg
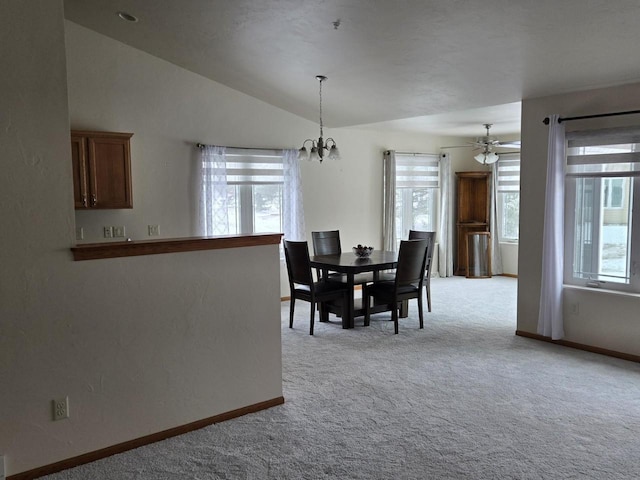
348 314
404 309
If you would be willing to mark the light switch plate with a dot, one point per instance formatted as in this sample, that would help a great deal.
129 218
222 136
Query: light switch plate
108 232
154 230
118 232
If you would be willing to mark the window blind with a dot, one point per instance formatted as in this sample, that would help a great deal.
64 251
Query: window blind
611 152
509 173
417 170
253 166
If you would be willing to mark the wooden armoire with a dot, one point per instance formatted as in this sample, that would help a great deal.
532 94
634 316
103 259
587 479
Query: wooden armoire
472 213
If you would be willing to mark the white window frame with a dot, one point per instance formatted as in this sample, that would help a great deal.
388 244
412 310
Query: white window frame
508 184
416 171
247 168
586 164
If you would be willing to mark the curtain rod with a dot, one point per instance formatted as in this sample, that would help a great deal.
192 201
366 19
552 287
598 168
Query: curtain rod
584 117
411 153
202 145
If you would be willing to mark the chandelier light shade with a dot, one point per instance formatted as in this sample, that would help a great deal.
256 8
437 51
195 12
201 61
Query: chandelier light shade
321 147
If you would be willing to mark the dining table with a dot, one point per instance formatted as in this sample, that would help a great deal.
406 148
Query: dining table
351 265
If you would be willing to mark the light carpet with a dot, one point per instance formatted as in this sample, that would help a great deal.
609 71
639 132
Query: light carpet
464 398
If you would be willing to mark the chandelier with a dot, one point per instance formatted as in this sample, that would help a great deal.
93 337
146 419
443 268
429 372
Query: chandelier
319 146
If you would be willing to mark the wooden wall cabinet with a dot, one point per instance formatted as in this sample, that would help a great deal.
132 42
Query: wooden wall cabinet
472 214
101 169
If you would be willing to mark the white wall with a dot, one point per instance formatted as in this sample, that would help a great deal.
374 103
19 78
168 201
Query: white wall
139 344
606 320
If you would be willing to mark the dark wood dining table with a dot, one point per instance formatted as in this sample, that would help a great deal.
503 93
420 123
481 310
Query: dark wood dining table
350 264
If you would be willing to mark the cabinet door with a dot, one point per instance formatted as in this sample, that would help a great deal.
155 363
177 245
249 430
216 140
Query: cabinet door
79 159
110 172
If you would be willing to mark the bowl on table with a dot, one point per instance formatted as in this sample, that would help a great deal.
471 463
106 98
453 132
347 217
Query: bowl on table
362 251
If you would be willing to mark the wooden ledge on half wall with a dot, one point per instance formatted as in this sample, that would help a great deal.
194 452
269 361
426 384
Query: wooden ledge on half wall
97 251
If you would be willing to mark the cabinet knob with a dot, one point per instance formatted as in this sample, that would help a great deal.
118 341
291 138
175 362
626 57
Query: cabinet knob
94 200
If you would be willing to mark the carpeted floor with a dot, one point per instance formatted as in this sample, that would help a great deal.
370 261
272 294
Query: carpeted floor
462 399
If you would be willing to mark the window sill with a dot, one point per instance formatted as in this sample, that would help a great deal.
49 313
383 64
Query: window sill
601 290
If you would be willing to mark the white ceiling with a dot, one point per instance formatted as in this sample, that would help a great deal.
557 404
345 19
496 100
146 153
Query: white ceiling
422 65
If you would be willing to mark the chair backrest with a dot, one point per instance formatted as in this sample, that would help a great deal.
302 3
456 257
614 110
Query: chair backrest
326 243
296 255
431 236
411 262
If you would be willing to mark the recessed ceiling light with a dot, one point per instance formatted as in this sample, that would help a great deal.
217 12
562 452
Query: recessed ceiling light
127 16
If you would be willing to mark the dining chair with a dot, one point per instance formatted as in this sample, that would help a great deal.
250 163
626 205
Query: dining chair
302 285
431 236
328 243
406 284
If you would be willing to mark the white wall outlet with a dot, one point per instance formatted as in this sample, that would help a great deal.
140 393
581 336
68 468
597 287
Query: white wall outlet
154 230
118 232
79 233
108 232
60 408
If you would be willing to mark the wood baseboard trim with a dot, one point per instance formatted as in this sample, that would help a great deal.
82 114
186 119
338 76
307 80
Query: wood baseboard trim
146 440
510 275
580 346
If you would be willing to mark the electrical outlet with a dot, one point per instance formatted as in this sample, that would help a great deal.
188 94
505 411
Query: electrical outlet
118 232
79 233
108 232
60 408
154 230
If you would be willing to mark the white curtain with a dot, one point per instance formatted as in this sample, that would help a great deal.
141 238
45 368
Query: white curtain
496 254
550 322
445 232
389 214
212 206
293 215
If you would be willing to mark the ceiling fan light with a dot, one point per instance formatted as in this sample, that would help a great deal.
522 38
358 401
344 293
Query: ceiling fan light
480 158
491 158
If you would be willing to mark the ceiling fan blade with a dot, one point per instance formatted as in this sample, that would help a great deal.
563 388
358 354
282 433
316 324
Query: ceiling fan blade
458 146
514 144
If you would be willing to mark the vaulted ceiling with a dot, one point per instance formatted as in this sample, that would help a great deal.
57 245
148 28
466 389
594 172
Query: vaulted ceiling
443 66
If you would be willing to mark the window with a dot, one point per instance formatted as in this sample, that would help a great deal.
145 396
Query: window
417 180
602 232
509 197
254 191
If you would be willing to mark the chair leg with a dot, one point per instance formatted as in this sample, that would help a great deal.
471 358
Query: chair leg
292 305
428 290
366 300
394 317
420 311
312 319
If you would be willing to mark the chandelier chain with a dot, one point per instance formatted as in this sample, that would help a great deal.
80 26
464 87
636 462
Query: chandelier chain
321 108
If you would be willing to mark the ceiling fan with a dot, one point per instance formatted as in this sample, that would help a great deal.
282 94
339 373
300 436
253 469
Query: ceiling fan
487 144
